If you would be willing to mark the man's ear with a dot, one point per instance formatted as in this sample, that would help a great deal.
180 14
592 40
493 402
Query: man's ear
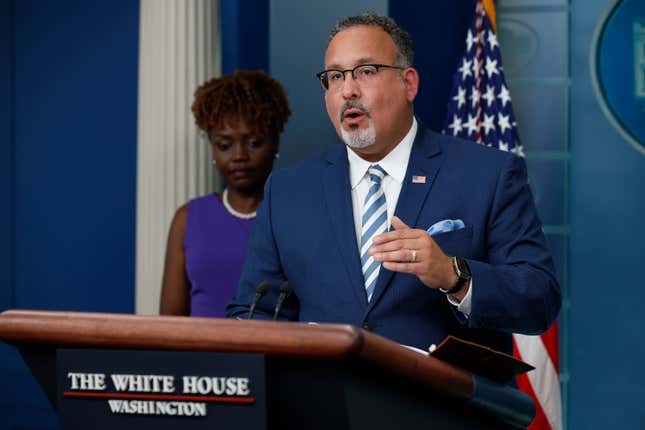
410 78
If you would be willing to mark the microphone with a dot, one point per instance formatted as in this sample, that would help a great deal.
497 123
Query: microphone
260 291
285 290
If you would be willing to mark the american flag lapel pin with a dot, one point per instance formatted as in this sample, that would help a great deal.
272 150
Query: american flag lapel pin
416 179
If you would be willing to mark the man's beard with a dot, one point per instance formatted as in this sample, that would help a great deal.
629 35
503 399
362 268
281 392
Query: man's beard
357 137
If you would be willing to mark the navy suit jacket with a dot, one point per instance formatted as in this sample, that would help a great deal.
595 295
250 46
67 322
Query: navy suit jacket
305 233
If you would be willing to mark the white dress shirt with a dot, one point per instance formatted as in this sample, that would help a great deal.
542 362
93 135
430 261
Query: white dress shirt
395 165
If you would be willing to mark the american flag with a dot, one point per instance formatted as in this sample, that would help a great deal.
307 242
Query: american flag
480 110
480 107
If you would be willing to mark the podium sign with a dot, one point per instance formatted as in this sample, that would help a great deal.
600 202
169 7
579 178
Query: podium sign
128 389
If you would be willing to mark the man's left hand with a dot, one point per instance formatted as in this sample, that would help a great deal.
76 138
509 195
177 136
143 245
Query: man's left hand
412 250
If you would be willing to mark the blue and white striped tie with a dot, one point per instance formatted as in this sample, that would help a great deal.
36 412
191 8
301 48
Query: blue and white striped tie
374 222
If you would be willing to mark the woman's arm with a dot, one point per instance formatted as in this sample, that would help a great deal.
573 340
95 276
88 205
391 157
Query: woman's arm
175 285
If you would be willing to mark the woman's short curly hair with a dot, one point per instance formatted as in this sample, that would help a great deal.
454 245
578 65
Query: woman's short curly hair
250 95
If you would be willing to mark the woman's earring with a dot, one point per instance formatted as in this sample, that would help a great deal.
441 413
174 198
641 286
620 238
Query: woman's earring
214 162
277 155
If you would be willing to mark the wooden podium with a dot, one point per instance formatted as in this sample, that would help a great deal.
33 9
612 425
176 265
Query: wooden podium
324 376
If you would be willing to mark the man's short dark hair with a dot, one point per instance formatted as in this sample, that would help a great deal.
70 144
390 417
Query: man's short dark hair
400 37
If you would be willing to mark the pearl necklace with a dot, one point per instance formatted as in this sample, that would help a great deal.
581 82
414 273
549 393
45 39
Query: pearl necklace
232 211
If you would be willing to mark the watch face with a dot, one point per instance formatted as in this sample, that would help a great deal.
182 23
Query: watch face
463 267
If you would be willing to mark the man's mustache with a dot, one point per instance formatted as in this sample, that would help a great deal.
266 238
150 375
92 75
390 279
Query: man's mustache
354 105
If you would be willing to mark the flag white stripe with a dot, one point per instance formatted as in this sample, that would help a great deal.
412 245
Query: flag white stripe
544 379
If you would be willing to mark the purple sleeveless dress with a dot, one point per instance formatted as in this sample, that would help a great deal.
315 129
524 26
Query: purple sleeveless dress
215 245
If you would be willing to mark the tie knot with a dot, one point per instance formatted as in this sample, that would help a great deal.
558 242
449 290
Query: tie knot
376 173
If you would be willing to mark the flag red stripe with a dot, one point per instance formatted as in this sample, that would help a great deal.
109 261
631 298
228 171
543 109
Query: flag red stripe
540 422
479 9
550 340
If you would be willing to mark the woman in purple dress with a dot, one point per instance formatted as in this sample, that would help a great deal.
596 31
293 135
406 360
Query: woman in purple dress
243 115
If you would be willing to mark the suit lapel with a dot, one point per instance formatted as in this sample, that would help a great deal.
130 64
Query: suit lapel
338 201
425 160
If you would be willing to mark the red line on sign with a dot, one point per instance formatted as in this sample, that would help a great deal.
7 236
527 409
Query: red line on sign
161 397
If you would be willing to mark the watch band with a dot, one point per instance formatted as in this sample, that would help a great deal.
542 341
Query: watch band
463 276
457 288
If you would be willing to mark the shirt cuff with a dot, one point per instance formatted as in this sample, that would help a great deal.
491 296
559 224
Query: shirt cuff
465 304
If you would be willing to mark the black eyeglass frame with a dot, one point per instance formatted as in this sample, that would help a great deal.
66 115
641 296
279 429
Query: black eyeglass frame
325 82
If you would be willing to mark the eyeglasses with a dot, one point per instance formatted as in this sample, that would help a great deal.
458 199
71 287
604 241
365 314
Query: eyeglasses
364 74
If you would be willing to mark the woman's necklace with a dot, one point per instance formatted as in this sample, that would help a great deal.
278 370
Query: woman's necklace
232 211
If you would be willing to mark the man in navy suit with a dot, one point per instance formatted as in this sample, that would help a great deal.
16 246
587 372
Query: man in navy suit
402 231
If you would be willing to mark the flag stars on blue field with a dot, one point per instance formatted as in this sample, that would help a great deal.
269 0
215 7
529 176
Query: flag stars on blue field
465 69
470 40
503 122
488 123
489 95
456 125
474 97
491 67
477 67
479 107
472 125
492 40
460 98
504 95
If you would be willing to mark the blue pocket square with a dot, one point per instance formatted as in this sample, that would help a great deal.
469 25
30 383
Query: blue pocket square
445 226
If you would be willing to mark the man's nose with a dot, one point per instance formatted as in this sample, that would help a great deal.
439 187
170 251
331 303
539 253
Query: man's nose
350 88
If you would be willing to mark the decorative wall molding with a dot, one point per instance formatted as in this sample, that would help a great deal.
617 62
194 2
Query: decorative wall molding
179 49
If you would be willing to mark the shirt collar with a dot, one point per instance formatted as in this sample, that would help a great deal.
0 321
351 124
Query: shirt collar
395 163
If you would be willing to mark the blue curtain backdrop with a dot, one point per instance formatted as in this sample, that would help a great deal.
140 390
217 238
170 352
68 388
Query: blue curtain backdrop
68 141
